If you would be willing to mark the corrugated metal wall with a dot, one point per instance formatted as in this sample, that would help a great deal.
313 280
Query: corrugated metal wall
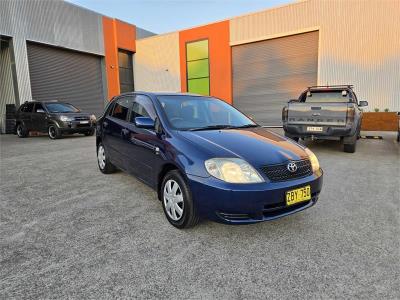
6 85
268 73
56 23
359 42
157 64
65 75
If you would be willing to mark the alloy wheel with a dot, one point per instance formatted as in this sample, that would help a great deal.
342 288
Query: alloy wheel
52 132
173 200
101 157
19 130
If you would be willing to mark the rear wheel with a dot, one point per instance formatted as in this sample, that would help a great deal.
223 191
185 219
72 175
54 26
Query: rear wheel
350 148
22 132
177 201
104 163
54 132
349 144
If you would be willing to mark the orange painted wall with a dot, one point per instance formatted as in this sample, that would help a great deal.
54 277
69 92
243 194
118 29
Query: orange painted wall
117 35
219 55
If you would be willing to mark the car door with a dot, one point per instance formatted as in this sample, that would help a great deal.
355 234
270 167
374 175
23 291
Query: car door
143 151
26 115
115 130
39 121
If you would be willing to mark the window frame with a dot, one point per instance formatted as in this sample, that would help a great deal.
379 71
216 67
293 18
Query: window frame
131 69
193 60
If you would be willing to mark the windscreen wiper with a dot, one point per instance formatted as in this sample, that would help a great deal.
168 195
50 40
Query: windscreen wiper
212 127
248 126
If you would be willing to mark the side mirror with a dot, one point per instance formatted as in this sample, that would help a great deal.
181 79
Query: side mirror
144 122
363 103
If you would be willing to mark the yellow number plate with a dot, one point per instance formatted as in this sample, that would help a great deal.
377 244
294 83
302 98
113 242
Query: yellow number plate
298 195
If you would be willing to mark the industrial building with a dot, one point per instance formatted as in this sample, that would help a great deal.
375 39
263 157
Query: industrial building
256 62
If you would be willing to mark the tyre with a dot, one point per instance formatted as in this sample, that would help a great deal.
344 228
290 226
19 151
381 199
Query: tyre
177 201
105 166
22 132
54 132
350 148
89 133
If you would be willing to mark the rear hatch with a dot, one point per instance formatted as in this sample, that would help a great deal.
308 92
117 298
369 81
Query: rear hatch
329 114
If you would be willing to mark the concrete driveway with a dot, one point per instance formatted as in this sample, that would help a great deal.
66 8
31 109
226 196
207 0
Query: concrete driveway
68 231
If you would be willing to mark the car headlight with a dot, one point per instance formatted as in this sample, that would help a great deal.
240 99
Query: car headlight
92 118
232 170
66 118
313 159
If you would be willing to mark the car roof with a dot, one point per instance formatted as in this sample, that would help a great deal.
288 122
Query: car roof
155 94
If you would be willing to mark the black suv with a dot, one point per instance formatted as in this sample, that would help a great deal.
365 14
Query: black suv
53 117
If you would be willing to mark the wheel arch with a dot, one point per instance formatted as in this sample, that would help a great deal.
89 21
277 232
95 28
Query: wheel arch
164 170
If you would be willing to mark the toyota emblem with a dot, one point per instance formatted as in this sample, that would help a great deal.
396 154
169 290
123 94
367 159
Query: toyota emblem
292 167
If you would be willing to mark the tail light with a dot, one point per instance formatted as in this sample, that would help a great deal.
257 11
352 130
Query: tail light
284 114
350 114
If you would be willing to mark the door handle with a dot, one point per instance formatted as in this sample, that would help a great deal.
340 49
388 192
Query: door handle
105 124
124 131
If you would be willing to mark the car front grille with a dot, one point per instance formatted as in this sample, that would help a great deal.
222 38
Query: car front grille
280 172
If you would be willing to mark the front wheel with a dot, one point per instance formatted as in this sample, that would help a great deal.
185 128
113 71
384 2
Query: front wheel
90 132
177 201
54 132
350 148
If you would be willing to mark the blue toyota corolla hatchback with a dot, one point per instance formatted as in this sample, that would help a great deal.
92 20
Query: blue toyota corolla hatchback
206 159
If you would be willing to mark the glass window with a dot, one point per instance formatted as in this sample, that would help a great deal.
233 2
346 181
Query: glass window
57 107
28 107
39 108
197 66
197 50
199 86
121 108
142 107
327 96
125 69
193 112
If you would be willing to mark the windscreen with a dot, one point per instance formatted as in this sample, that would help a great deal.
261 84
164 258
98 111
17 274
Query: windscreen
327 96
193 112
61 108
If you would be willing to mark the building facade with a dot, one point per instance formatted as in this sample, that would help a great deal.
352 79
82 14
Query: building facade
256 62
259 61
54 50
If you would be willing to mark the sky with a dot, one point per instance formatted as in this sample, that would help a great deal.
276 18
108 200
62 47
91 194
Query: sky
161 16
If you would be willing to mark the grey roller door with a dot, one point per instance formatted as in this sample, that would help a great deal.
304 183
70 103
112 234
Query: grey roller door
65 75
267 74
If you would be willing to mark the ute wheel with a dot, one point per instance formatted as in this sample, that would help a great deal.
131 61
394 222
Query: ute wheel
105 166
350 148
22 132
54 132
90 132
177 201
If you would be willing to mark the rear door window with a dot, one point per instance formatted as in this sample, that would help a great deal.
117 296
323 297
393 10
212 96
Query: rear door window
28 107
121 108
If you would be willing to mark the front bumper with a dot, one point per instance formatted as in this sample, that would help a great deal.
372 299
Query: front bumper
327 131
75 127
249 203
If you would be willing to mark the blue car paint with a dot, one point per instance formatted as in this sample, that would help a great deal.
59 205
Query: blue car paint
144 154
